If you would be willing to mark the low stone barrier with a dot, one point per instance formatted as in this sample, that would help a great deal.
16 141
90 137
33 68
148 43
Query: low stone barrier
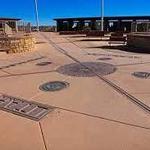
17 44
139 41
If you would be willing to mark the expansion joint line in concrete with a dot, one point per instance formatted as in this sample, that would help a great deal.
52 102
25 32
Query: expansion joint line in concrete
76 45
130 97
20 63
84 114
26 74
43 138
103 118
9 74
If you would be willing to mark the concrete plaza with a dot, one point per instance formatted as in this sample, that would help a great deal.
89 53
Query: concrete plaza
90 114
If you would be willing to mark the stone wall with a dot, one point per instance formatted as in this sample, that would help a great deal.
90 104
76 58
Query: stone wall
18 44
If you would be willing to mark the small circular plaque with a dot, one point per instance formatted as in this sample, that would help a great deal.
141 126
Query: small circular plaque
54 86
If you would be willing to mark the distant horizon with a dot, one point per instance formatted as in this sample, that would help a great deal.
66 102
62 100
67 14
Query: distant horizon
49 10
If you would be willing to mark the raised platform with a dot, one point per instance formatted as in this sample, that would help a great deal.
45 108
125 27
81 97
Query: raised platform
139 41
17 44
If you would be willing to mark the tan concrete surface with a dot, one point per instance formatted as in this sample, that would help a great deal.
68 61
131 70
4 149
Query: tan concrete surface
18 133
3 73
27 85
90 114
96 98
70 131
31 67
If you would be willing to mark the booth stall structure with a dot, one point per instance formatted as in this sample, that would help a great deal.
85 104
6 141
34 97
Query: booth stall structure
111 24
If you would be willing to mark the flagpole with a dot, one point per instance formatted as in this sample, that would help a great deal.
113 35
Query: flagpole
102 15
37 14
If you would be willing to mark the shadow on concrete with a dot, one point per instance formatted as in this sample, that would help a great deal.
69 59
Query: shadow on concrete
125 48
85 40
77 36
4 50
40 42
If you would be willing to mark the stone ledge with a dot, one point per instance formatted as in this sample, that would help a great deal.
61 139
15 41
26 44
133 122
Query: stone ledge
18 44
141 41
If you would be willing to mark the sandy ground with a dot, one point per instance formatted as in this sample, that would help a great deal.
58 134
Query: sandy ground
90 114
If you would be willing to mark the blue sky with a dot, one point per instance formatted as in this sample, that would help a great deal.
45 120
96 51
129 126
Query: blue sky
49 9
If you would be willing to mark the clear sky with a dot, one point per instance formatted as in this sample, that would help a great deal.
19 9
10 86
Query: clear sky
49 9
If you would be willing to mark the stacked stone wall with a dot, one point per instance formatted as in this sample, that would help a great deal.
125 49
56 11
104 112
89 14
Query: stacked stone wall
18 44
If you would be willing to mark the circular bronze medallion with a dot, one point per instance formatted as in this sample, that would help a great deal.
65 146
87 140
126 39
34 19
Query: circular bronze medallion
54 86
87 69
143 75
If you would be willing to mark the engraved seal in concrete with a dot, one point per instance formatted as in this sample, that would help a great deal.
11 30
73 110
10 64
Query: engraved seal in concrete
87 69
54 86
142 75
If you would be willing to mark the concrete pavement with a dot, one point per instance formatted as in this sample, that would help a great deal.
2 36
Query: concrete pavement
89 114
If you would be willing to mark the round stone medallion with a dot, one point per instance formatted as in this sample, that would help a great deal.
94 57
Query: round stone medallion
143 75
87 69
54 86
44 63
